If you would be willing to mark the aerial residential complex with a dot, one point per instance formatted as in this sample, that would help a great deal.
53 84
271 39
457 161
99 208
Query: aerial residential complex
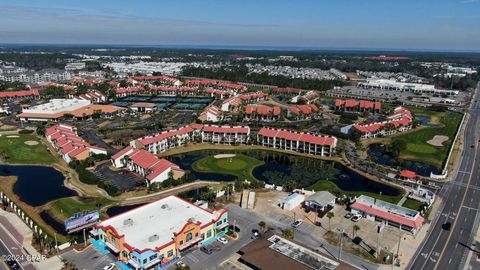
156 234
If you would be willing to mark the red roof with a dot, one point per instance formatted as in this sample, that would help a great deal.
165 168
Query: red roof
165 134
262 110
226 129
159 167
122 152
143 159
414 223
296 136
22 93
408 174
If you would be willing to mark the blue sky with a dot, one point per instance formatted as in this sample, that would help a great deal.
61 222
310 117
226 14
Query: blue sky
405 24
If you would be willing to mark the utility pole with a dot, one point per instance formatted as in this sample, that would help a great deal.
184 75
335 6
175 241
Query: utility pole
84 238
341 244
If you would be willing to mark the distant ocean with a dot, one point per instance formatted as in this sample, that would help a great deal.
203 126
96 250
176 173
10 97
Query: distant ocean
236 47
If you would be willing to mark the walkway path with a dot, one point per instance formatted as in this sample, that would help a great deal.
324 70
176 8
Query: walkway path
404 198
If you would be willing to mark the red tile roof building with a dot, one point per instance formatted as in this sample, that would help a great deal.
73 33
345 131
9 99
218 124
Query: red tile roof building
262 113
145 164
401 120
211 114
297 141
352 105
225 134
253 97
162 79
232 104
309 97
69 145
11 95
303 112
392 214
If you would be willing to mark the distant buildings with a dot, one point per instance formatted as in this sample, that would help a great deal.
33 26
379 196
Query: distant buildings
407 87
353 105
156 234
262 113
57 109
397 216
297 141
44 75
69 145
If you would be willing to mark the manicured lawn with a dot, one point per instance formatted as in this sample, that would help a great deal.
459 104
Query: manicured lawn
239 165
417 147
412 204
327 185
14 150
67 207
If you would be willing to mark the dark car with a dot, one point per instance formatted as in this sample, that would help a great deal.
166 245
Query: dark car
255 233
446 226
234 228
206 250
13 265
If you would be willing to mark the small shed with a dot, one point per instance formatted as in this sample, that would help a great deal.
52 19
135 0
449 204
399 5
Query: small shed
320 201
292 201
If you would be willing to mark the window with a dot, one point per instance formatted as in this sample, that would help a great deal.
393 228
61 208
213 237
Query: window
153 257
144 261
209 234
203 235
189 236
181 242
170 253
196 234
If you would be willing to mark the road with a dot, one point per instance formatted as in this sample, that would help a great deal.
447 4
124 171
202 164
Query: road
10 247
461 200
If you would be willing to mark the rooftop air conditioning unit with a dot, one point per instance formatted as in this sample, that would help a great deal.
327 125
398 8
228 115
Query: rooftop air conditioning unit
153 238
128 221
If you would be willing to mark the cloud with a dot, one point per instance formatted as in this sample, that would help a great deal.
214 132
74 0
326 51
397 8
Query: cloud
469 1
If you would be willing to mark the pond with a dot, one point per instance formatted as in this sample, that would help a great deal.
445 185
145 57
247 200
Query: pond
425 121
379 154
280 167
37 185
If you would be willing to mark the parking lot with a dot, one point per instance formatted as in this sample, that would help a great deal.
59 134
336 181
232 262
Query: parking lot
89 259
121 179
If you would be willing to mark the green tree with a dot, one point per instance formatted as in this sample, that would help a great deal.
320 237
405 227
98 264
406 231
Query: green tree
288 234
262 225
289 185
330 215
356 228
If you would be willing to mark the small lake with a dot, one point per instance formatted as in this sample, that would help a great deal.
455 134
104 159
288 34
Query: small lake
280 167
37 185
425 121
379 154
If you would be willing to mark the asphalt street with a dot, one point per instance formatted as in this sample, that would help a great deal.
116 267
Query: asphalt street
9 247
448 249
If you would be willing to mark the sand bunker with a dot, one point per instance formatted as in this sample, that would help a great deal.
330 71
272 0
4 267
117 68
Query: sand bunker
13 136
224 155
31 142
438 140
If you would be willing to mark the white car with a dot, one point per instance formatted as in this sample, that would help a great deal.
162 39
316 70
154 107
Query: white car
181 264
222 240
109 266
356 218
297 223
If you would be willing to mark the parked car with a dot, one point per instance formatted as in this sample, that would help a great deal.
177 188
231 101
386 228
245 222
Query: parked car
109 266
234 228
348 215
206 250
13 265
356 218
222 240
318 223
297 223
181 264
255 233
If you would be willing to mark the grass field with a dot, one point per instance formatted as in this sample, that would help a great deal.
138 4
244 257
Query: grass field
412 204
14 150
417 147
67 207
240 166
326 185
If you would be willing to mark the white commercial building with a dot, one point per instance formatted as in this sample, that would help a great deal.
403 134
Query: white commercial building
407 87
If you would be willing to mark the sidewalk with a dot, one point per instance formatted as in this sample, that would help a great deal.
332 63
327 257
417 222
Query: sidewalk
23 234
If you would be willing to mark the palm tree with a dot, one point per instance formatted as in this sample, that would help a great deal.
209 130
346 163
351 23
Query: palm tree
356 228
262 225
330 215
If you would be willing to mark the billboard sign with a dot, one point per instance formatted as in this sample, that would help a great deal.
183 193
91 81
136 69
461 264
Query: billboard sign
81 220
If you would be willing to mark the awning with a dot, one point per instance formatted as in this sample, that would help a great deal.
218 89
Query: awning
223 226
94 232
152 263
192 242
134 263
112 247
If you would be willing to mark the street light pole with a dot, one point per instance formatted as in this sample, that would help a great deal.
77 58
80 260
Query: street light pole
341 244
56 243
